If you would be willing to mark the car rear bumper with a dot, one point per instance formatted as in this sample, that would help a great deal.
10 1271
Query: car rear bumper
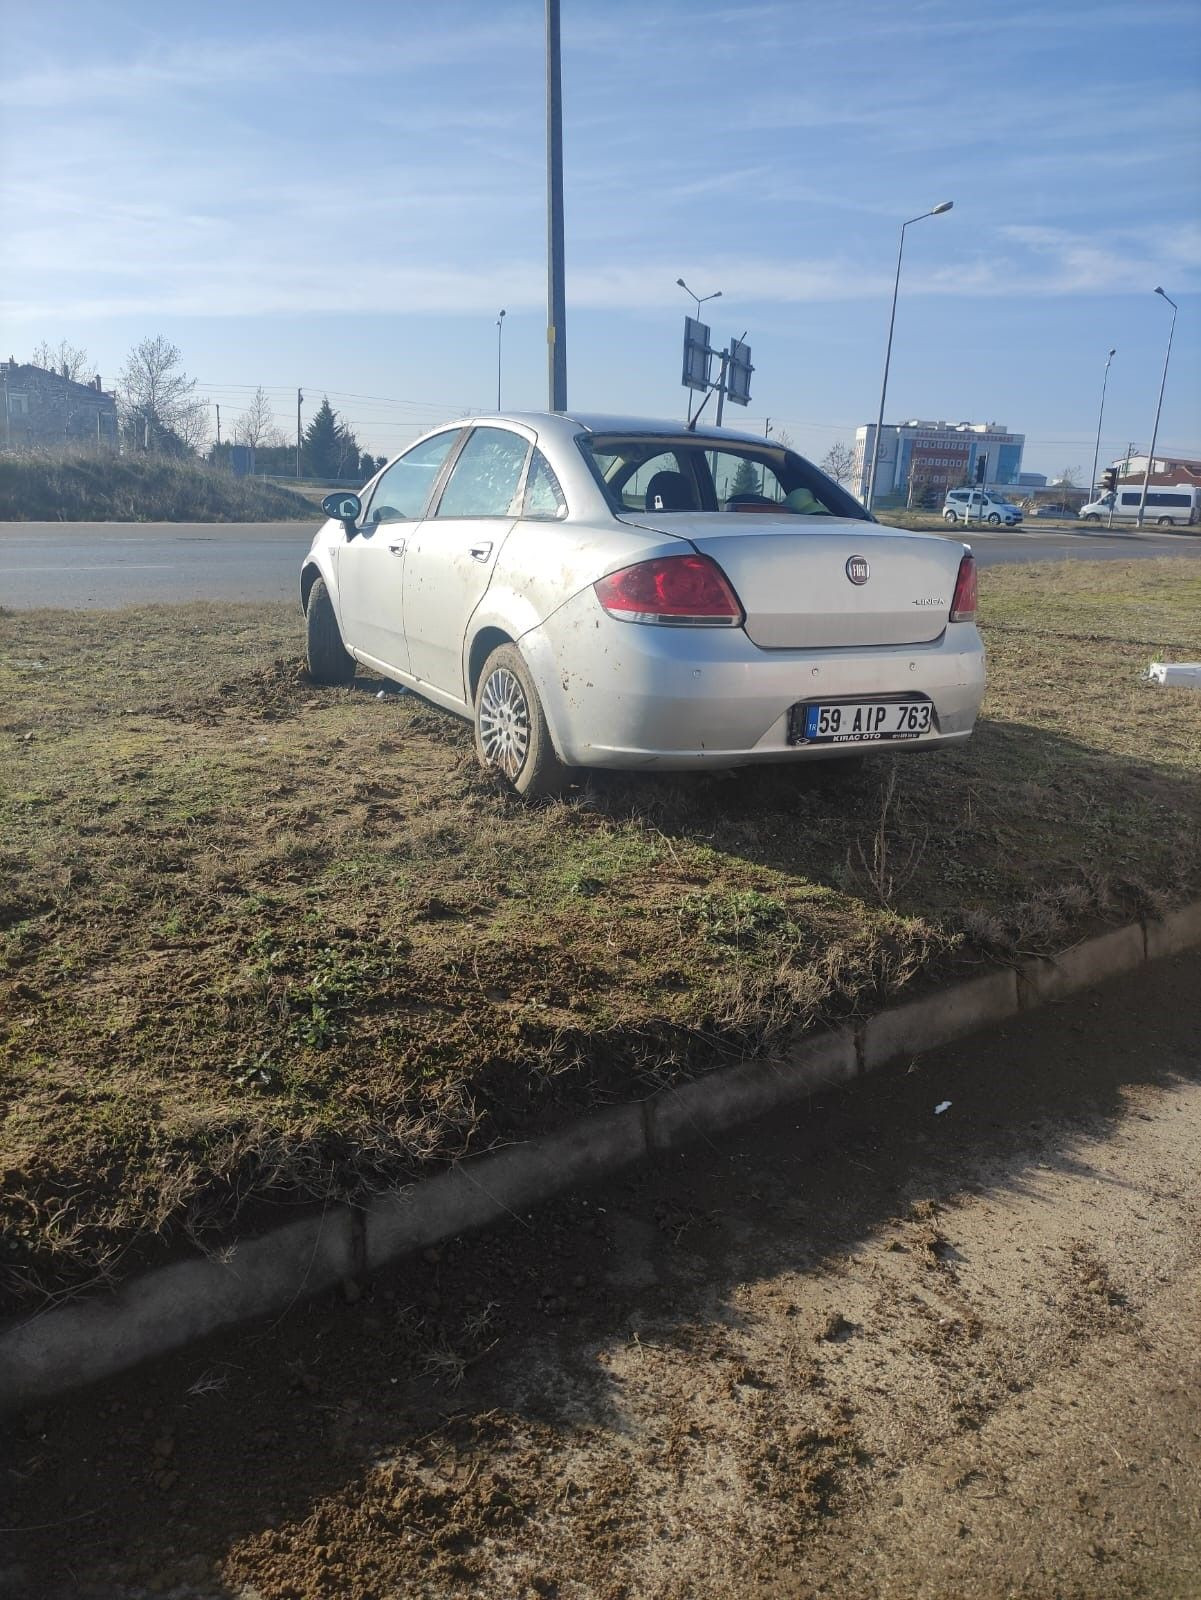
631 695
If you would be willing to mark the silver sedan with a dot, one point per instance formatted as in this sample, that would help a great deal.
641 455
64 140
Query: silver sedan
609 592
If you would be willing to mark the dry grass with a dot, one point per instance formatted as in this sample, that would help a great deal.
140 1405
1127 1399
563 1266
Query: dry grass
263 944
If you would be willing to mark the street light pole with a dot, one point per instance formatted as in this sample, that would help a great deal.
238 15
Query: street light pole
699 298
500 328
1092 485
1142 504
937 211
556 293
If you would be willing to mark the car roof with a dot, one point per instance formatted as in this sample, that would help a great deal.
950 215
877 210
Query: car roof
566 424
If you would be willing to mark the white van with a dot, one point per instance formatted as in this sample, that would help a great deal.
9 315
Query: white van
982 505
1179 505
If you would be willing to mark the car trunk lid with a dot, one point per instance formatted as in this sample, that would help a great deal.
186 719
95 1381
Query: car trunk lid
795 582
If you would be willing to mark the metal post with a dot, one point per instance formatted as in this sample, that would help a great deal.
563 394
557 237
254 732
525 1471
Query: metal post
721 385
556 302
1092 489
299 398
1142 504
500 328
218 426
871 482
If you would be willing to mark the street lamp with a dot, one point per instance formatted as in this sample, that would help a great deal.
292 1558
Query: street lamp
699 298
1142 504
1092 482
500 328
938 210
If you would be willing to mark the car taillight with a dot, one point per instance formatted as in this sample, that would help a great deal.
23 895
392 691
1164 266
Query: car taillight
963 604
678 590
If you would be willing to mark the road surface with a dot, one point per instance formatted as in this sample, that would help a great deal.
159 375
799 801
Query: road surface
94 566
934 1335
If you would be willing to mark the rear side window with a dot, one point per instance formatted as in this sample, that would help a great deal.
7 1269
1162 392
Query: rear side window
543 496
485 479
402 491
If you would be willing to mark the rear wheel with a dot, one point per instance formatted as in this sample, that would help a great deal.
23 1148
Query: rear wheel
1165 522
327 657
511 735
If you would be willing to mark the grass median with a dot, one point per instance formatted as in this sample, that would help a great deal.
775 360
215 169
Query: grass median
264 945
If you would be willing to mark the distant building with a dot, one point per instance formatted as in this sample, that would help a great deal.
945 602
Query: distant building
936 455
44 408
1166 469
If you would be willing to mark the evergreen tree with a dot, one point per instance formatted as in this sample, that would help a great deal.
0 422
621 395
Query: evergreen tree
330 448
745 480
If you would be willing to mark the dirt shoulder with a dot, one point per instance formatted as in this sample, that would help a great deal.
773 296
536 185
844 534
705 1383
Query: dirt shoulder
264 945
868 1349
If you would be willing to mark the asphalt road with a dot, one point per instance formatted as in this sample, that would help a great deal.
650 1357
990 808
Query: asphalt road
98 565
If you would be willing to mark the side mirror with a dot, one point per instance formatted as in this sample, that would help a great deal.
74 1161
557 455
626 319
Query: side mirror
344 508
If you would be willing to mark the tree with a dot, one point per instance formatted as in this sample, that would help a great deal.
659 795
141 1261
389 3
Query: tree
745 480
839 462
153 388
1067 478
256 426
330 448
68 360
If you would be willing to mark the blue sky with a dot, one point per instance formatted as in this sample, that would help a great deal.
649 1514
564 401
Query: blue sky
342 198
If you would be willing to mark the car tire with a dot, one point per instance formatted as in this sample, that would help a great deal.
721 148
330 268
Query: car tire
511 735
994 517
1092 517
326 657
949 516
1165 522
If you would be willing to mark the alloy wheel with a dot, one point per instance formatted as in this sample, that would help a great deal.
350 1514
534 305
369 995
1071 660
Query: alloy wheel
504 722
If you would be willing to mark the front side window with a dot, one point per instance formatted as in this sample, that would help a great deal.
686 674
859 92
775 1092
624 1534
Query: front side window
485 479
401 493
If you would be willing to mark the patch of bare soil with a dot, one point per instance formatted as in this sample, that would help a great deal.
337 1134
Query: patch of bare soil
870 1349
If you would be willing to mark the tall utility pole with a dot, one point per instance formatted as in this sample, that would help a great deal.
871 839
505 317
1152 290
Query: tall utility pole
937 211
500 328
218 424
556 299
1142 504
299 398
1092 482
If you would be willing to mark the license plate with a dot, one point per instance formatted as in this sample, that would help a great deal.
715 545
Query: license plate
864 721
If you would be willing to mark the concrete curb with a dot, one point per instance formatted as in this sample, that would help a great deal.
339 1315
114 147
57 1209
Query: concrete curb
81 1341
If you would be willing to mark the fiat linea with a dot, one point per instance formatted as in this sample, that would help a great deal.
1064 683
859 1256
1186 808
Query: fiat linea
594 591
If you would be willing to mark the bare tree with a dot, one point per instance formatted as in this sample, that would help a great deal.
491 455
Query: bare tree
256 426
154 388
839 462
68 360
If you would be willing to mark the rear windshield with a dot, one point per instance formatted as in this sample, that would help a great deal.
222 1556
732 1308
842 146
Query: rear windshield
687 472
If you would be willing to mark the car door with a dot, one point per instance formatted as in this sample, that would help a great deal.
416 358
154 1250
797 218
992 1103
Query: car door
451 555
370 567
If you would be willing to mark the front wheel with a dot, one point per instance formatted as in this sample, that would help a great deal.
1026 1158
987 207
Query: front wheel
511 735
949 516
1092 517
327 658
994 517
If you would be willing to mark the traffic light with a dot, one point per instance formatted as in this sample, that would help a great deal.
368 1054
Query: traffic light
1109 480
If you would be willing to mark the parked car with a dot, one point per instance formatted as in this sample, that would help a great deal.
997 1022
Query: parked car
1052 511
606 592
983 505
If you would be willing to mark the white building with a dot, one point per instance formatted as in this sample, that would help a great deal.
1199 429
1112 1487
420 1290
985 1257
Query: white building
938 455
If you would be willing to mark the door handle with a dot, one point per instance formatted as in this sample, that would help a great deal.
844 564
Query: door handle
397 549
481 552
